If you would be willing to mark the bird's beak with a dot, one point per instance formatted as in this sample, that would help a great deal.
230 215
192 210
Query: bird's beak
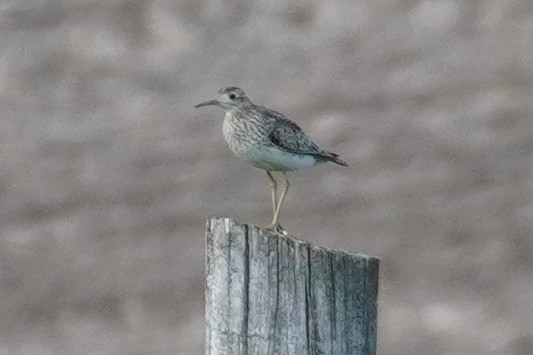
208 103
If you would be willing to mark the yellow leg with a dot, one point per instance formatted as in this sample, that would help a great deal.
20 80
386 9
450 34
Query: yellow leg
273 188
275 224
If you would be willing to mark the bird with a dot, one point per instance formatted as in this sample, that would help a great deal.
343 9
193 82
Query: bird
267 140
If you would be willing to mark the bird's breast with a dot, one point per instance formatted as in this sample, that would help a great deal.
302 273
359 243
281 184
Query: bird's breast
231 133
238 135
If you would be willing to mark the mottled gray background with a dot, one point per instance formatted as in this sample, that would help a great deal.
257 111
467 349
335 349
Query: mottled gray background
107 172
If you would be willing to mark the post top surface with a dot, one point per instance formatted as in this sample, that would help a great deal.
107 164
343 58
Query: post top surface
231 223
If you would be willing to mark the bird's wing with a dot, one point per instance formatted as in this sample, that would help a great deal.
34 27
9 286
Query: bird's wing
288 136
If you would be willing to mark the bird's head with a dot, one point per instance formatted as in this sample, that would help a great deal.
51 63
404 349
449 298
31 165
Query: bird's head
228 99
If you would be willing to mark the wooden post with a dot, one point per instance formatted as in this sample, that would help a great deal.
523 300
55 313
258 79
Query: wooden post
269 294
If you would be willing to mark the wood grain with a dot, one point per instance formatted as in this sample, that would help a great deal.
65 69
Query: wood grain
272 294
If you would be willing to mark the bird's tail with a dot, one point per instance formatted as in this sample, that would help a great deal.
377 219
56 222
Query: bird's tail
339 162
332 157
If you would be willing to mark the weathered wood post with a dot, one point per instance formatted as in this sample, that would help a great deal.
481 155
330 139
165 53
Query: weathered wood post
269 294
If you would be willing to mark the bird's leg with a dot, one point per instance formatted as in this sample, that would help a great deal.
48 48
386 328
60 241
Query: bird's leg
275 225
273 188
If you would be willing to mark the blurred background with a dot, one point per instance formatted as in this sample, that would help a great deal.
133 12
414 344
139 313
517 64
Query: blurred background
107 172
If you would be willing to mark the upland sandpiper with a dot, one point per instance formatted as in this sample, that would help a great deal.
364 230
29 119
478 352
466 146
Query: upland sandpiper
267 140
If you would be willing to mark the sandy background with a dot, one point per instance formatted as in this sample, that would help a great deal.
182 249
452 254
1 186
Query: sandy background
107 172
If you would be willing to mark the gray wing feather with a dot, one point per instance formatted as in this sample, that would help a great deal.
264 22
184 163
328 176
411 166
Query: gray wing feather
288 136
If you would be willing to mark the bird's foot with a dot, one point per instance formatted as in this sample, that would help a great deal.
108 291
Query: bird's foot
277 228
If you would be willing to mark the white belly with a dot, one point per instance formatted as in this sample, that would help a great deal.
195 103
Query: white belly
273 159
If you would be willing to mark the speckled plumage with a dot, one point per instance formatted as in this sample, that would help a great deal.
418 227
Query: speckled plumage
267 139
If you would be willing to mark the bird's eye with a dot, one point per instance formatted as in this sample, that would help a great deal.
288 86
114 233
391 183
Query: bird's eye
232 96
